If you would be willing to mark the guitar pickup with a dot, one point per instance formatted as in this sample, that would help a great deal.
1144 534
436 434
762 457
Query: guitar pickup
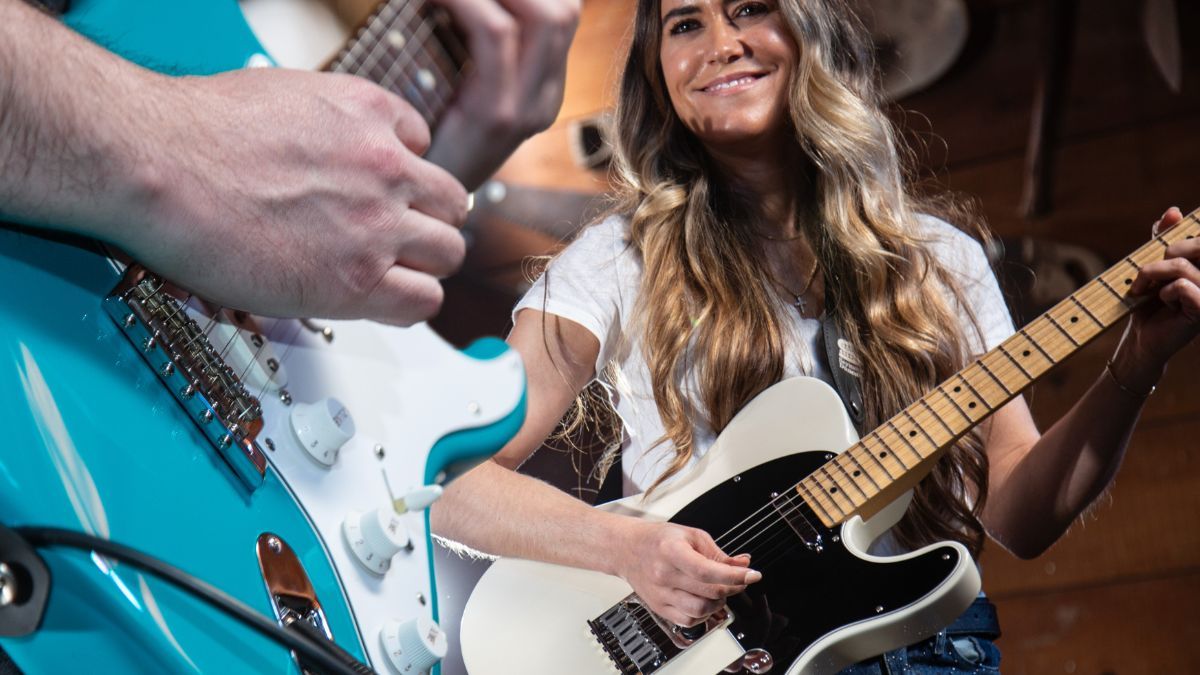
180 354
794 516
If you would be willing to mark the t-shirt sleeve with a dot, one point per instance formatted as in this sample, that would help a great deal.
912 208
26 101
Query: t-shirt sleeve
588 283
965 258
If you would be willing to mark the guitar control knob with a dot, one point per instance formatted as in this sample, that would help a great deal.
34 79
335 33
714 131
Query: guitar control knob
375 537
322 428
414 646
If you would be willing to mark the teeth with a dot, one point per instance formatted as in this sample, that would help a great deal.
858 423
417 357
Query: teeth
733 83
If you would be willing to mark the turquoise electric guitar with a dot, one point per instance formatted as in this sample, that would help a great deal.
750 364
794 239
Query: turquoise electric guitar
287 463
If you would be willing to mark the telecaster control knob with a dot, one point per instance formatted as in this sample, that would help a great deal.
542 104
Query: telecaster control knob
414 646
375 537
322 428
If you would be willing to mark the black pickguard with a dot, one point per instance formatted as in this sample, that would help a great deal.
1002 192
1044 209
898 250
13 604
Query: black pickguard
805 594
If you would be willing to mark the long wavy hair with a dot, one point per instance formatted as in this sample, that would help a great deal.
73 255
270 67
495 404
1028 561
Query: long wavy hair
708 312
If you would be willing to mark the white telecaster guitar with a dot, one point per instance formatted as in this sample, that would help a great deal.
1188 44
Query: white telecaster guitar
788 482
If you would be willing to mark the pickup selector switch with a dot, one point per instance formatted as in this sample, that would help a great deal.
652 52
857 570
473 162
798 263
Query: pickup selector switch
375 537
322 428
414 646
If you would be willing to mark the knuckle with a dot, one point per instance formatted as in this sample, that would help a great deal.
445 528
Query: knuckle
370 98
423 301
500 28
385 160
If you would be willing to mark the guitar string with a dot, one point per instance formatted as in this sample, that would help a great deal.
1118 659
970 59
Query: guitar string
1003 372
1036 334
391 77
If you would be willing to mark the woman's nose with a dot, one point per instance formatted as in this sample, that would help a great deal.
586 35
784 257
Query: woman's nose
726 43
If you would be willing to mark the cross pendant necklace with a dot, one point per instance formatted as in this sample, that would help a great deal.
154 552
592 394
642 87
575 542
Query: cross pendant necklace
798 297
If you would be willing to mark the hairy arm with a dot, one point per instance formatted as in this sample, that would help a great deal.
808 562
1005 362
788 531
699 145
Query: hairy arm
66 147
279 192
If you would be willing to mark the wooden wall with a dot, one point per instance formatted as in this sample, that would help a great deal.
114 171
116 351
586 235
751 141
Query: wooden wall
1116 595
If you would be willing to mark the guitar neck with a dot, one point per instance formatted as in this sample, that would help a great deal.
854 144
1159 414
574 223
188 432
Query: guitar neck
410 49
895 457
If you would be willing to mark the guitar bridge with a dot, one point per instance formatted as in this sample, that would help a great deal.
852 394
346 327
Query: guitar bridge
638 642
178 351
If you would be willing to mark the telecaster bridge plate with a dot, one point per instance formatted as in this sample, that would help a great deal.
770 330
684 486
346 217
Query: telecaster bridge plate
639 642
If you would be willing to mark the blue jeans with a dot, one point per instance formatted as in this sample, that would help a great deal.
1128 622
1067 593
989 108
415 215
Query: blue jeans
964 647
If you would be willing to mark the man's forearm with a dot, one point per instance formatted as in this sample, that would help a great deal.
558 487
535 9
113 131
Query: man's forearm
67 147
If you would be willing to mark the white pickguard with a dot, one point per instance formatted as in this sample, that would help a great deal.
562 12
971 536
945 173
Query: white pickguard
530 618
406 389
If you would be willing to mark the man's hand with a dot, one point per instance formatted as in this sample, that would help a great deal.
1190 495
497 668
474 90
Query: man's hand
294 193
519 54
681 573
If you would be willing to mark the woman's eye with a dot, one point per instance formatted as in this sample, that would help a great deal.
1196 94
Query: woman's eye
684 26
751 9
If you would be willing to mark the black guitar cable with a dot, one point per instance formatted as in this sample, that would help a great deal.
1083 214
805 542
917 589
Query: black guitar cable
314 651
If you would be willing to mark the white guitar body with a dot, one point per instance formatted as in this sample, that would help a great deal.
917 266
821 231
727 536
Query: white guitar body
532 618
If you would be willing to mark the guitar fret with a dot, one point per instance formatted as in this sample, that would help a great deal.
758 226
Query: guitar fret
938 417
1015 362
400 48
982 386
838 464
920 428
974 391
817 492
1046 354
993 376
956 405
850 453
881 455
833 489
913 448
1087 311
1062 330
813 502
1112 290
889 449
876 459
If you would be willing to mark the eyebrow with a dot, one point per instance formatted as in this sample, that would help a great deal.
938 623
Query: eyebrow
688 10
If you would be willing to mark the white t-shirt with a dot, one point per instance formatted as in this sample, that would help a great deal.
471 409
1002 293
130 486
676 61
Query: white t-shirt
595 281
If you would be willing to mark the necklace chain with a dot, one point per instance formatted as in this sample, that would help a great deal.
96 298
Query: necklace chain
798 297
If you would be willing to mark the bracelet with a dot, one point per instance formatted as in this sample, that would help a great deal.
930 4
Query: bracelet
1135 394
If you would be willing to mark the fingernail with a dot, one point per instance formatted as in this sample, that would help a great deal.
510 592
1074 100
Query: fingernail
753 576
743 555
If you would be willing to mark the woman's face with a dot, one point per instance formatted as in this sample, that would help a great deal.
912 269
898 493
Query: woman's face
727 66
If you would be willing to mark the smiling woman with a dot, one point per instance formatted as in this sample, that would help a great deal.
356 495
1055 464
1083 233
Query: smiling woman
728 70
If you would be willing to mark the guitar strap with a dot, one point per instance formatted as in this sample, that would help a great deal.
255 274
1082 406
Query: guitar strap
845 366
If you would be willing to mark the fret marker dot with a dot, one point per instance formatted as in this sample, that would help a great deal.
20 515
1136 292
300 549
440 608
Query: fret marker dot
857 473
1025 353
426 79
883 454
396 39
971 404
957 389
832 490
1128 282
911 434
1074 319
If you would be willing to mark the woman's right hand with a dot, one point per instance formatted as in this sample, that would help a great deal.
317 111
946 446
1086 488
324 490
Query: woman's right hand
680 572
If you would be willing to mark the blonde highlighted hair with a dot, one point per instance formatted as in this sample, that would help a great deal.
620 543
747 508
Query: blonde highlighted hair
707 308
